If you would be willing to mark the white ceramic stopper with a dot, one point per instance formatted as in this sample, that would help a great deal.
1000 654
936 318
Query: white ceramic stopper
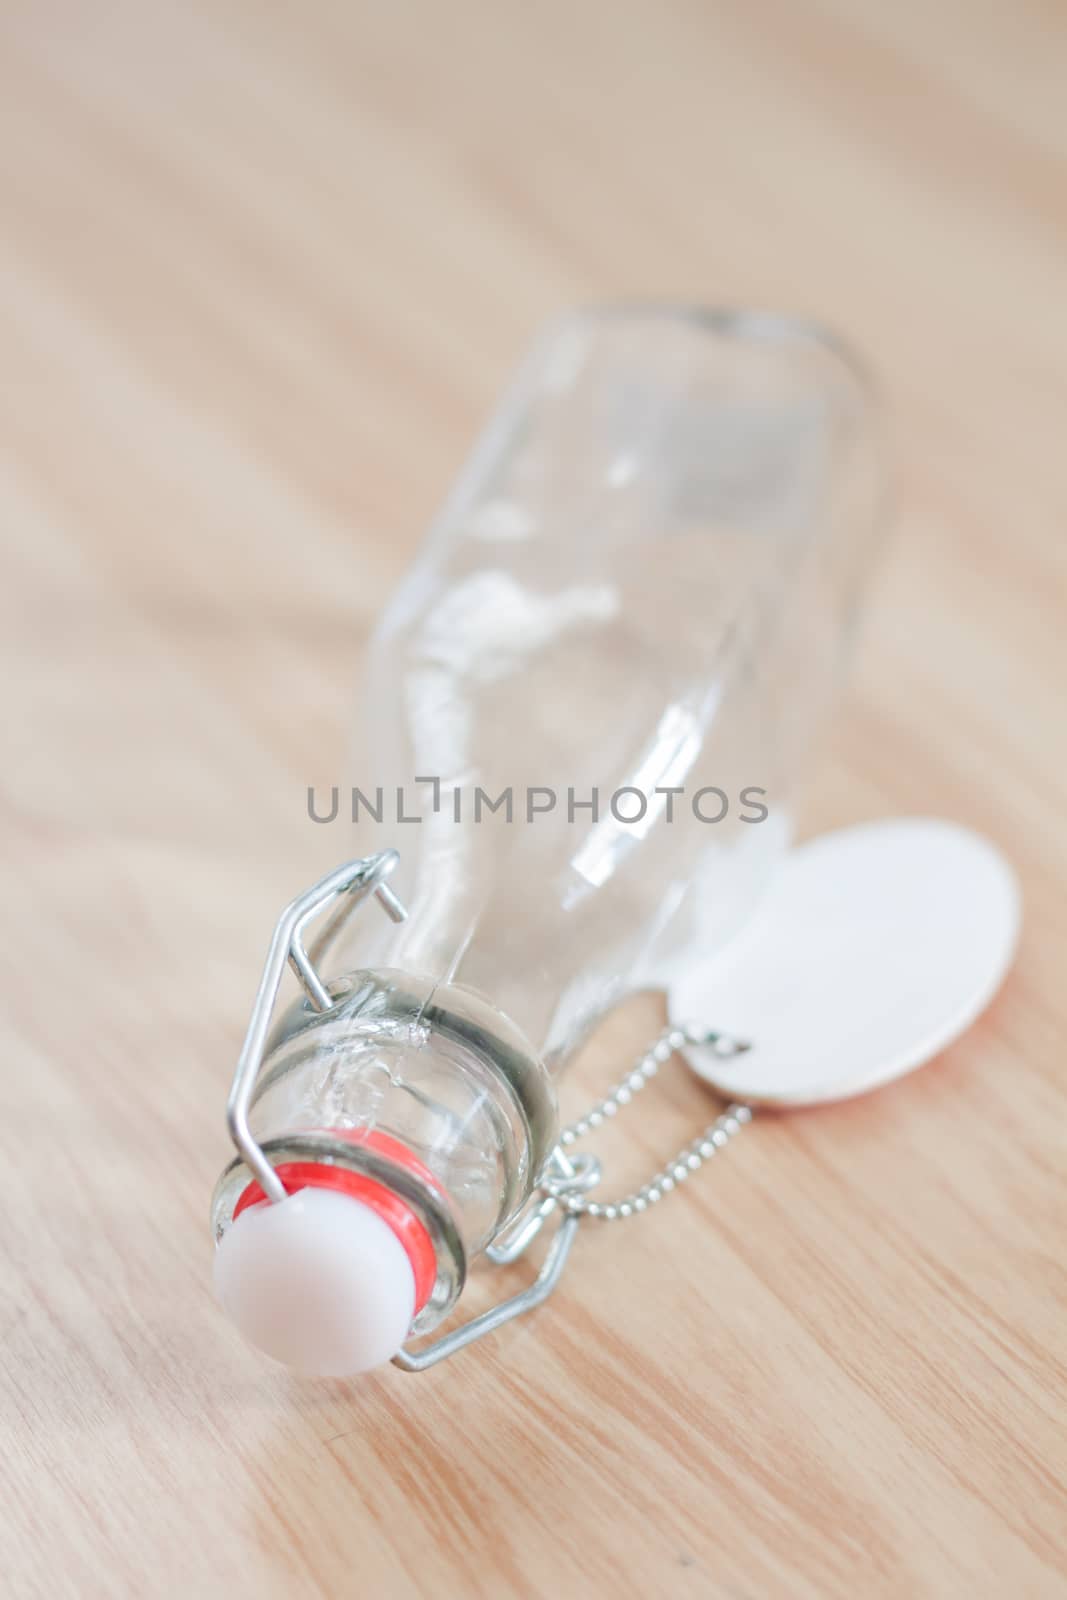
319 1282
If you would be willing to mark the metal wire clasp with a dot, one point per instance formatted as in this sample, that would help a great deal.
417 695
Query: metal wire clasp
345 889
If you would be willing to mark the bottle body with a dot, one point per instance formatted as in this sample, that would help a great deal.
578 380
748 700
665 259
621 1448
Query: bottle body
584 708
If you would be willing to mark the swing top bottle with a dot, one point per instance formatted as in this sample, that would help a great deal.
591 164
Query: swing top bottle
640 591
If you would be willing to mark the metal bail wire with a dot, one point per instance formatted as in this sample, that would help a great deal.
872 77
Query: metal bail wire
345 888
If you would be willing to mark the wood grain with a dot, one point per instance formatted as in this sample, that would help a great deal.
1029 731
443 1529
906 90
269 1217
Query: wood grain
262 271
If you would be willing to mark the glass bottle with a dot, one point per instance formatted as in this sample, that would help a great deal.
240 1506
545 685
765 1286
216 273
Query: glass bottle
582 713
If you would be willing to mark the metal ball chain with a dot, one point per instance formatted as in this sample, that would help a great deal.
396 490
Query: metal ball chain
688 1160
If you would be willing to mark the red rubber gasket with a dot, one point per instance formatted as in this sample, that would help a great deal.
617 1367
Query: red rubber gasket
418 1246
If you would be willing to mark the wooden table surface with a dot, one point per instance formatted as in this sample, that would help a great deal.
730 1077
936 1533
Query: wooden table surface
262 271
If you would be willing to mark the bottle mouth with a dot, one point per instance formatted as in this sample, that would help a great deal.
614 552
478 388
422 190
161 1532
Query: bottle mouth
381 1173
318 1281
394 1210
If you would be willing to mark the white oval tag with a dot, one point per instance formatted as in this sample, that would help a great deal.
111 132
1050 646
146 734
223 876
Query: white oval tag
874 948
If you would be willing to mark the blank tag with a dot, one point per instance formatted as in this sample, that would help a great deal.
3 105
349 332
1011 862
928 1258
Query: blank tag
875 947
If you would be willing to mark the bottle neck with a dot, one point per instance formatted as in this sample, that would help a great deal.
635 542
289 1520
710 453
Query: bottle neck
413 1087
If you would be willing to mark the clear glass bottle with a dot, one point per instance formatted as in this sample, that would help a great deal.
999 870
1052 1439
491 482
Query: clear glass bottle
582 713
